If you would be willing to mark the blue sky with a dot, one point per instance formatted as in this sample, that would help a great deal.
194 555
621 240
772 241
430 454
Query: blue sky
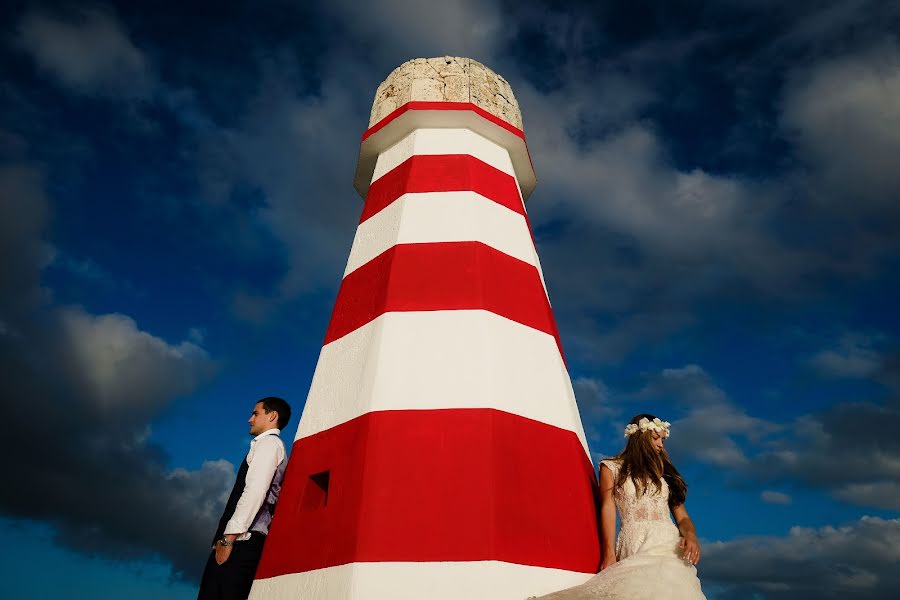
717 216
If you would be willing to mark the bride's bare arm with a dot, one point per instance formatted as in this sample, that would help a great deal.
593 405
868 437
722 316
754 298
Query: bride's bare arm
607 517
689 544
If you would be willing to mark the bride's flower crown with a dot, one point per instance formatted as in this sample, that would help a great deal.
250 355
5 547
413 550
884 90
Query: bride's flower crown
645 424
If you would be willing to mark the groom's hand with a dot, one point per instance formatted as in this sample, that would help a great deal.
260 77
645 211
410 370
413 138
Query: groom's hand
222 551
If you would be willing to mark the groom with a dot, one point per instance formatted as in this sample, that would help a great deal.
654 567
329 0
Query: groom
238 543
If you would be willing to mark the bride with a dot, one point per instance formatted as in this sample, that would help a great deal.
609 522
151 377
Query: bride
653 557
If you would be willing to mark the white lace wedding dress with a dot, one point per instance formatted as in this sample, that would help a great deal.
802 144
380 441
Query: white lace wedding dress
649 565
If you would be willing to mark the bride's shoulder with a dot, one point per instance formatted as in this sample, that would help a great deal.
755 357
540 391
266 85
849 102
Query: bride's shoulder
612 464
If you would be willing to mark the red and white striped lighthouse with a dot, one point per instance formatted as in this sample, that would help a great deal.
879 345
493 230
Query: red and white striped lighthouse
440 453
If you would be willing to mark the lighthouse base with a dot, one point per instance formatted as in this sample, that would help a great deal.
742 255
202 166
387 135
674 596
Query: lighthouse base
417 580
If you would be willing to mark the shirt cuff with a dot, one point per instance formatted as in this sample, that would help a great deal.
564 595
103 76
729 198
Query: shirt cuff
241 535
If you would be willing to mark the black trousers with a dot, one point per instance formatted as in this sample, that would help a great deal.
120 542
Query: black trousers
232 579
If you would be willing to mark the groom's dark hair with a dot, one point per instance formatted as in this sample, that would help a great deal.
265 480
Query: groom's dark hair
280 406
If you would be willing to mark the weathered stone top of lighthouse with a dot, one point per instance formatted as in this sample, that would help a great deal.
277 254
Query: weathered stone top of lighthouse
446 79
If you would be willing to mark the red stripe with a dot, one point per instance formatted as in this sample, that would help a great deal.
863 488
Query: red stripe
436 485
442 173
442 276
421 105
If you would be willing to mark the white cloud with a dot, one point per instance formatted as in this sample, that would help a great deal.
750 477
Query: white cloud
644 241
773 497
88 51
624 180
691 384
835 450
127 369
592 393
205 490
844 114
710 432
854 357
713 424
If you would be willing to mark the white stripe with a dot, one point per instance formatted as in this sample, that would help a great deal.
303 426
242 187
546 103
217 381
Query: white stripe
411 120
442 217
487 580
443 141
441 359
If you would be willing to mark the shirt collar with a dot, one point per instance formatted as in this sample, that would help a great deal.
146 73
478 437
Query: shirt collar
275 431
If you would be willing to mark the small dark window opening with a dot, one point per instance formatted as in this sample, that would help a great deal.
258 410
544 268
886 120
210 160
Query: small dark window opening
315 494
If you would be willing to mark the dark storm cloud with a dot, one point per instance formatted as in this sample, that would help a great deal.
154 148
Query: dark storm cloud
84 388
858 560
889 371
24 208
299 151
840 449
652 234
649 236
87 50
398 30
682 165
846 450
843 450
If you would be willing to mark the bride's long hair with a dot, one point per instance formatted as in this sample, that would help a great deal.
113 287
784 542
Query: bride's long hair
647 467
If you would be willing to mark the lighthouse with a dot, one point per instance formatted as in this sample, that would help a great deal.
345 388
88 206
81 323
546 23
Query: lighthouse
440 453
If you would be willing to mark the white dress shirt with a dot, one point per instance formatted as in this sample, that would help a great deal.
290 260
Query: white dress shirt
266 462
